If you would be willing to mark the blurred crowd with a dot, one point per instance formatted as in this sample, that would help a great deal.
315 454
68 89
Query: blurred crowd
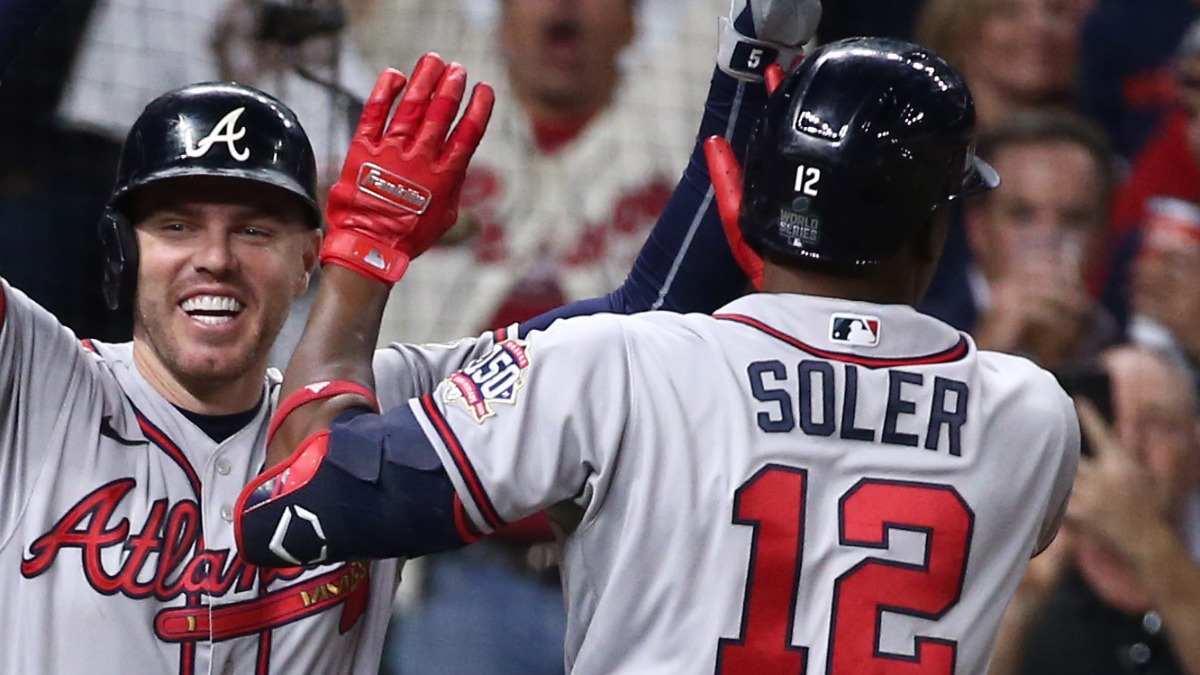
1085 260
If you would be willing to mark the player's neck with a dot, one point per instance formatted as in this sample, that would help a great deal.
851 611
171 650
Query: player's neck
883 285
204 396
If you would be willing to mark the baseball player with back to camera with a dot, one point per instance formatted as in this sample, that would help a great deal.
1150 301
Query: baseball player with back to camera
122 462
749 492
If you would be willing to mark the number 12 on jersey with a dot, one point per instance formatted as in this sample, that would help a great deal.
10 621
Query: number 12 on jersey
773 503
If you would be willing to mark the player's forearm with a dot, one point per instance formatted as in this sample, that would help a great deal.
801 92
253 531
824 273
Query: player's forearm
1172 578
337 344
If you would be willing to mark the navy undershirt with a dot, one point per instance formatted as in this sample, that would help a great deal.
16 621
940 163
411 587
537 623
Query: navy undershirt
221 427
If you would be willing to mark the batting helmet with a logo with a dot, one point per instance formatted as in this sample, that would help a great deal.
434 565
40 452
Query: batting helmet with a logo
859 147
209 129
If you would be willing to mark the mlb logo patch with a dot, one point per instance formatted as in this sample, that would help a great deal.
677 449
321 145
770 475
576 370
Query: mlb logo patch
494 378
854 329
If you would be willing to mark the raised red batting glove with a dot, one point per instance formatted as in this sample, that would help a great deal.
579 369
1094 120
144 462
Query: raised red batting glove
399 188
726 177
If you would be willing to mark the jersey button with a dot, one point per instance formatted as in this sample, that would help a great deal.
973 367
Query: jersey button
227 513
223 467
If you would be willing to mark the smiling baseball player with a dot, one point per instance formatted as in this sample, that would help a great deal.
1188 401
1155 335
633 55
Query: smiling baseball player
815 479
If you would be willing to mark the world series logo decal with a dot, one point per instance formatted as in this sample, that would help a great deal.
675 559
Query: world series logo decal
494 378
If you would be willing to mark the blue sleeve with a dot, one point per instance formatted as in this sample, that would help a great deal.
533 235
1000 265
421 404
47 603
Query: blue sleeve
685 264
373 487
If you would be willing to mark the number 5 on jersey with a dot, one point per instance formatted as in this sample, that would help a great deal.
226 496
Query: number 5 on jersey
773 503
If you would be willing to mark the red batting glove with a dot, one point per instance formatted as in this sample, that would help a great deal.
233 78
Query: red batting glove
398 192
726 177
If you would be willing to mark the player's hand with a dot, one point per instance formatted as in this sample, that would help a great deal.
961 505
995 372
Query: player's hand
1114 497
726 177
1039 306
761 32
1167 289
400 184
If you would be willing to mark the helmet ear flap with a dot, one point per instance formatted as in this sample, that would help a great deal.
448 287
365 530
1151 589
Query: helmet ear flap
119 246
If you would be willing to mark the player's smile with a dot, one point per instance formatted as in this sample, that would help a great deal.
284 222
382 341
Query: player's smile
212 309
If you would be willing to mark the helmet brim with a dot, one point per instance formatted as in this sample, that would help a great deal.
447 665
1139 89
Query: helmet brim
260 176
981 177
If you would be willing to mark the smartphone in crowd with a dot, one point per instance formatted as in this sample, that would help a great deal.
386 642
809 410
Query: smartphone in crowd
1092 384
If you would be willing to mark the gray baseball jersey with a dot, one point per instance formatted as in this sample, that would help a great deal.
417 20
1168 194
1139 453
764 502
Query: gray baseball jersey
797 484
116 538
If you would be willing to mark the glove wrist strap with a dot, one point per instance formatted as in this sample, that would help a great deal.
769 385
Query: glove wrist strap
365 255
747 58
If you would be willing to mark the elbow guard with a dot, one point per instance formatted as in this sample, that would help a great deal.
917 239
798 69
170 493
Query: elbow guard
370 487
278 520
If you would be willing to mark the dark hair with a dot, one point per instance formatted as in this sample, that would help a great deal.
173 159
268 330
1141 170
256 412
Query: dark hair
1046 126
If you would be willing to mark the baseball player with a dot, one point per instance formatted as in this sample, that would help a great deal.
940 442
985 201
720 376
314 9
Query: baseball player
815 479
120 463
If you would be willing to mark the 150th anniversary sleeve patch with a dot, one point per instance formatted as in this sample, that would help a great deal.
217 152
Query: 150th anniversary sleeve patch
493 378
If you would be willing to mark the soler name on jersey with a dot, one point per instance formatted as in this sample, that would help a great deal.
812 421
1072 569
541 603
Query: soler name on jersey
824 398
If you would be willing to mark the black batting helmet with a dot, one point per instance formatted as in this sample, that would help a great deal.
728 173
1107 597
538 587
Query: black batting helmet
858 148
209 129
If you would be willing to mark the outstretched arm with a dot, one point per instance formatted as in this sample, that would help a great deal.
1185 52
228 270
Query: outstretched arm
397 194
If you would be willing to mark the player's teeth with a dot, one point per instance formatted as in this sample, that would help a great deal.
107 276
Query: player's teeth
211 303
212 320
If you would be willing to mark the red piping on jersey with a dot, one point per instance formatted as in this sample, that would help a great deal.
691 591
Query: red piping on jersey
86 342
168 446
500 335
462 522
954 353
263 666
465 469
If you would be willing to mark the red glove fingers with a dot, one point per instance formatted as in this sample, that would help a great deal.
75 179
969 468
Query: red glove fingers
377 107
411 109
726 176
466 136
431 135
400 184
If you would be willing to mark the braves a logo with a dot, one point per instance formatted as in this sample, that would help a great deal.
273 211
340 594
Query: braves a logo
495 378
226 131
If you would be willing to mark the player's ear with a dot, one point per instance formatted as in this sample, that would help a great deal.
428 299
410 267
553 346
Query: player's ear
311 258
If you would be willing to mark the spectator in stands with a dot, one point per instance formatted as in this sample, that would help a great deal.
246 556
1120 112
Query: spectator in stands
1117 592
1125 76
1165 283
574 169
1014 54
1034 239
1164 180
1168 165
